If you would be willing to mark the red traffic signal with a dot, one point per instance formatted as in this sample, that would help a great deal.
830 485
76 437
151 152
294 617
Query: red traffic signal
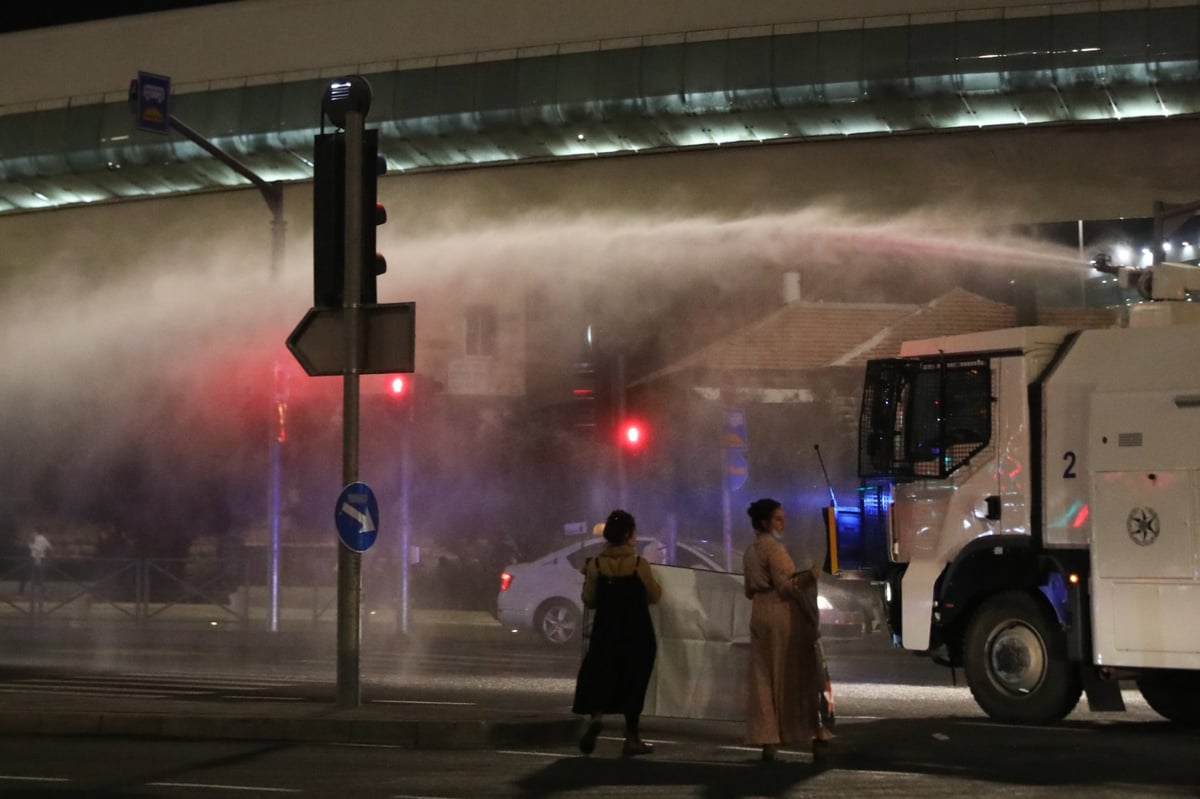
398 393
631 435
408 395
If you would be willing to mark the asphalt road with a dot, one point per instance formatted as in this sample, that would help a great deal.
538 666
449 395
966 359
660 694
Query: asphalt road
903 730
886 757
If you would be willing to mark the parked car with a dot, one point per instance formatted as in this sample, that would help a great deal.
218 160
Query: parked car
845 611
544 596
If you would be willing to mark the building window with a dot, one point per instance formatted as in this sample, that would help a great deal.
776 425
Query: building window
481 330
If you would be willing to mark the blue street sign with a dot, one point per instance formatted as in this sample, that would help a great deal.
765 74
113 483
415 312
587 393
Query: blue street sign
357 517
735 429
153 99
736 469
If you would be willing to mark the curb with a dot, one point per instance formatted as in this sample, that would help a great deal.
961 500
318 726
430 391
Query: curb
423 734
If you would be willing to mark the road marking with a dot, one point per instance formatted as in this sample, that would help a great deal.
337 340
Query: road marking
17 778
268 698
555 755
88 685
647 740
75 691
1043 728
758 750
146 686
217 678
418 702
220 787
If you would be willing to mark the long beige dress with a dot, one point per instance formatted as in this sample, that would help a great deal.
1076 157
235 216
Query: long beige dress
781 706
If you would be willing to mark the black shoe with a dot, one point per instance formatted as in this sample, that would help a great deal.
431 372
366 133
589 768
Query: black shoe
636 746
587 744
770 753
821 749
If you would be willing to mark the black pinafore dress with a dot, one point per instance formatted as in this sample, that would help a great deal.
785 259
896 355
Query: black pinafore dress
616 669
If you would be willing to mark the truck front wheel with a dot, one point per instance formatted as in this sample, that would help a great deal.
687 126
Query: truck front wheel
1016 663
1173 694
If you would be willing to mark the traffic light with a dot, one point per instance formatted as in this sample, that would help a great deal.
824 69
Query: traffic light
583 396
398 395
329 218
631 435
374 165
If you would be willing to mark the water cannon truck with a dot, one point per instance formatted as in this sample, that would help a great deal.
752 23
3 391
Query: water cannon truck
1042 496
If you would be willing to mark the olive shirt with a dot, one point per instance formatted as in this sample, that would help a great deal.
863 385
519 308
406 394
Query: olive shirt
618 561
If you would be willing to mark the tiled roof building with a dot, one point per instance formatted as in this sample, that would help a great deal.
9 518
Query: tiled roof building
802 336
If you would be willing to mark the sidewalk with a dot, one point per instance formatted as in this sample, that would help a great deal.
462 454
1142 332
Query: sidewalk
419 725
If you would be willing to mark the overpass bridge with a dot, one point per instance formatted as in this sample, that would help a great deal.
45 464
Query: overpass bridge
472 84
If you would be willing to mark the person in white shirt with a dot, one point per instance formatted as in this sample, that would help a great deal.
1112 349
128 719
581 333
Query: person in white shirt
39 548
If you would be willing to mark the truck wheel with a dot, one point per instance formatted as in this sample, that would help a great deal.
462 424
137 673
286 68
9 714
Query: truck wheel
557 622
1016 662
1173 694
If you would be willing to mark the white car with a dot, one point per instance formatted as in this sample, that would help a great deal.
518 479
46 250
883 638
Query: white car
544 595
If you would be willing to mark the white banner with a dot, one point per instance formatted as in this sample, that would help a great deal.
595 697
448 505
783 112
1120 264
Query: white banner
703 626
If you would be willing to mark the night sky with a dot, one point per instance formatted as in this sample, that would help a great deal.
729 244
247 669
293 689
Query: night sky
25 16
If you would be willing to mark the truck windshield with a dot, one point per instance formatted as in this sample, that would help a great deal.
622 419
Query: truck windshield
923 418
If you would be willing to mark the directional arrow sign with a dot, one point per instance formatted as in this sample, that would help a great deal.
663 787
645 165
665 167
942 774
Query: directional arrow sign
389 343
357 517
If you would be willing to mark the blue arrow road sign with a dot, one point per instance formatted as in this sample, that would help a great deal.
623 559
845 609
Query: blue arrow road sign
357 517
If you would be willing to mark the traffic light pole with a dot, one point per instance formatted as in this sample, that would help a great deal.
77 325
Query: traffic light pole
272 193
619 387
349 627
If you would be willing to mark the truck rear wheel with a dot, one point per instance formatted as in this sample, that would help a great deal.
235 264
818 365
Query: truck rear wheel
1173 694
1016 662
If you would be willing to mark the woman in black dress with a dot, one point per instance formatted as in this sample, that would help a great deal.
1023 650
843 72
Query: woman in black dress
619 586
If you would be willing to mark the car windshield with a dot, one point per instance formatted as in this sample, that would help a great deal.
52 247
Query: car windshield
687 554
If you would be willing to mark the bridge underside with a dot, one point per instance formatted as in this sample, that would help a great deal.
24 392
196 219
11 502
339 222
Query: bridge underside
803 85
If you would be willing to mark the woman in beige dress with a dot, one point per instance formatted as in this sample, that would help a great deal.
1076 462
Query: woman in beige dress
781 703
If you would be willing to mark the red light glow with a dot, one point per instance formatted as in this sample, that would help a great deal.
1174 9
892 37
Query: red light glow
632 435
